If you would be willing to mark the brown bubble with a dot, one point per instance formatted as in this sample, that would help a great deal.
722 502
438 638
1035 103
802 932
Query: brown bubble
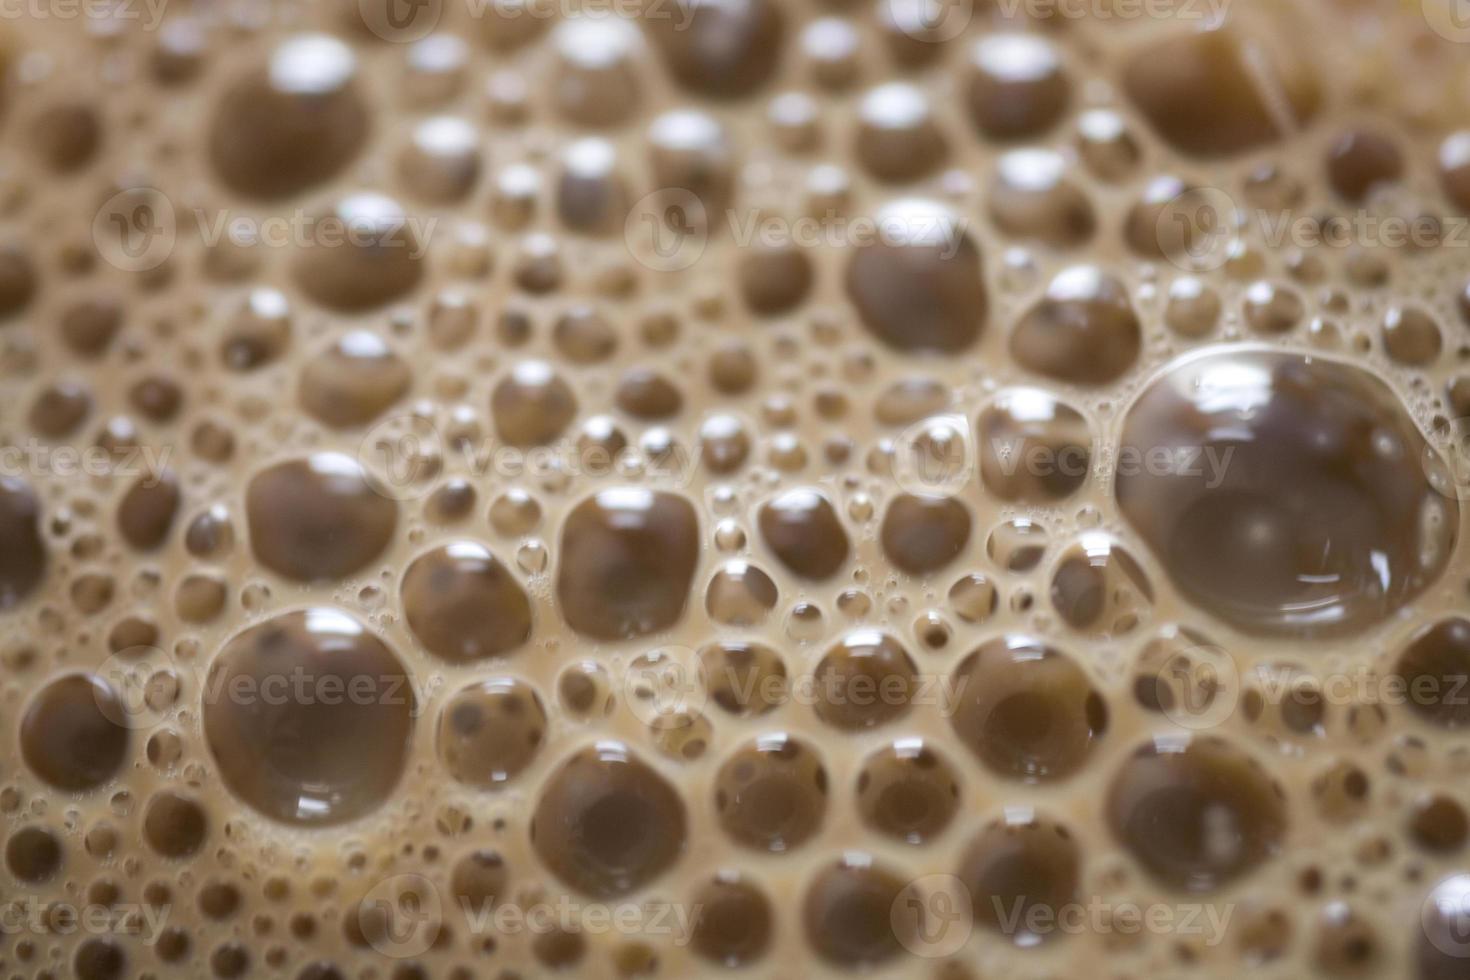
258 332
1433 668
691 152
922 534
1346 944
775 278
89 325
735 923
646 394
740 594
627 560
146 512
1316 516
73 733
1017 86
174 825
908 791
1196 812
592 193
1100 588
1360 161
320 517
847 913
1272 309
292 124
1083 331
1411 336
745 679
353 381
18 279
898 139
60 408
100 959
584 335
1026 710
33 854
309 716
718 50
23 558
1204 93
1031 197
771 794
918 285
724 443
463 604
1438 824
804 532
489 731
532 405
865 680
360 253
1454 168
1033 447
607 823
1027 864
441 162
479 879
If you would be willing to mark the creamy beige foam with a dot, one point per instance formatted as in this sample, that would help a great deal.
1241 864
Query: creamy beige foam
731 487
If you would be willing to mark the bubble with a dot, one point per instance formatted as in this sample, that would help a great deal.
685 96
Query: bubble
606 823
23 558
146 511
1026 710
463 604
805 534
1017 86
1411 336
771 794
775 278
309 716
1100 588
33 854
1221 92
1196 812
441 163
908 791
174 825
1031 198
866 680
1285 493
1083 331
292 124
70 735
1034 447
592 194
716 48
898 139
532 405
627 561
1433 667
597 81
360 253
319 517
918 285
922 534
1360 161
736 922
740 594
744 679
353 381
846 913
1024 863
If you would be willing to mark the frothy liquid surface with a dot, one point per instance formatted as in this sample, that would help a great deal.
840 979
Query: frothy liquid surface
770 487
